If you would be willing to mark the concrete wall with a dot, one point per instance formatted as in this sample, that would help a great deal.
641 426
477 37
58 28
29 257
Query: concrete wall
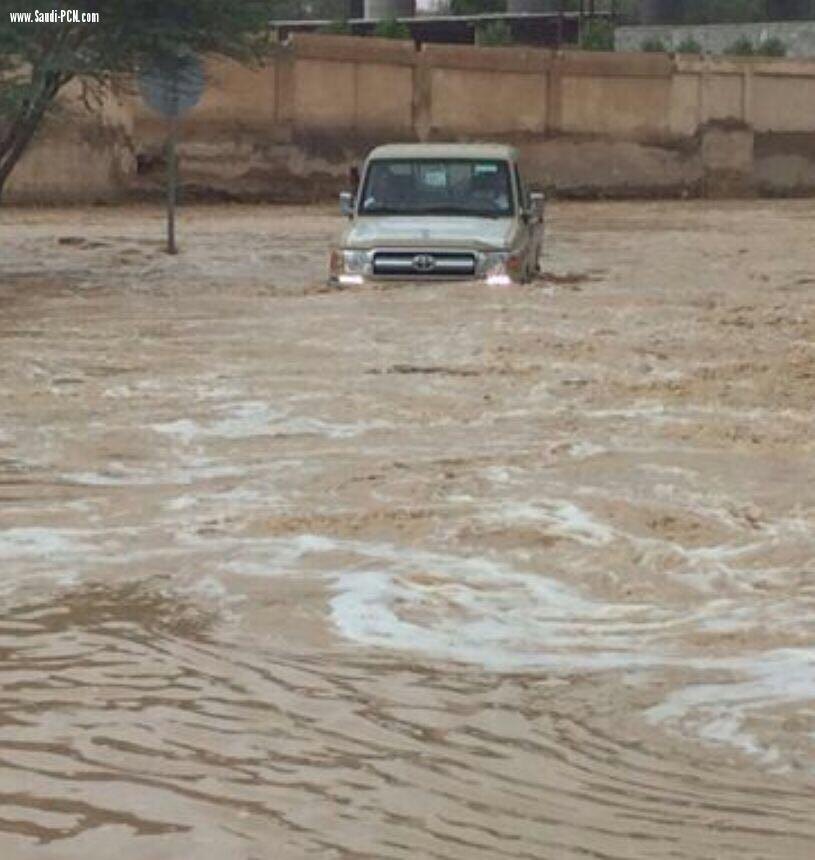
798 36
587 124
78 156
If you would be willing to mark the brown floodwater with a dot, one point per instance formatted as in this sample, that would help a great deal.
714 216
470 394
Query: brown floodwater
435 571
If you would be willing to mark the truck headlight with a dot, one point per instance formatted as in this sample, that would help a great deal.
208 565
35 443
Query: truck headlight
355 262
348 267
502 267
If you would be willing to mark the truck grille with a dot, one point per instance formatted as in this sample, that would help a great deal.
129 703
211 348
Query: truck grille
424 264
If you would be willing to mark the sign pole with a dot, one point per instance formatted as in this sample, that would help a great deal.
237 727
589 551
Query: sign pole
172 184
172 87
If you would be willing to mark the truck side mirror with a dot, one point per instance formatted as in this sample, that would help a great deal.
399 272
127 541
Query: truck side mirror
347 204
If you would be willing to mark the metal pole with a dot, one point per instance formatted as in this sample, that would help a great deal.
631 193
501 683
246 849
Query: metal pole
581 23
561 10
172 183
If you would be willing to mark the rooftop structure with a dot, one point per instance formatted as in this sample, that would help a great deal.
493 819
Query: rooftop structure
549 29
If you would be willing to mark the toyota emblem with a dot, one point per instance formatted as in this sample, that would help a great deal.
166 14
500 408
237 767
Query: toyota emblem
424 263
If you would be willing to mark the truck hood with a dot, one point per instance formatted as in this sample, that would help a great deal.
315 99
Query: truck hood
424 232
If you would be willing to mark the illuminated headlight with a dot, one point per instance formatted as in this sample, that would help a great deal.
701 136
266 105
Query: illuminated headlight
348 267
502 268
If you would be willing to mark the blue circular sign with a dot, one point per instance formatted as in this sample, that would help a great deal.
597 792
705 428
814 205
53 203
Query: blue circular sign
173 86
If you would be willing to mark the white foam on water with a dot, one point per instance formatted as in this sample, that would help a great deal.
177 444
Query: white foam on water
562 518
255 419
33 553
246 421
301 426
242 421
719 712
751 415
460 498
720 553
574 521
182 503
226 500
41 543
183 429
502 474
643 410
481 611
801 525
211 588
670 471
586 450
487 612
453 607
132 388
119 475
253 556
671 375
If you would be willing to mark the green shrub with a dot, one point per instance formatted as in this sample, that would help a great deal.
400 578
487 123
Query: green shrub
772 47
653 45
689 45
742 47
337 28
495 33
597 36
476 7
392 29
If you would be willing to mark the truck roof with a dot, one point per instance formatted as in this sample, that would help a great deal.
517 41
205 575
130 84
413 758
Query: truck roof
496 151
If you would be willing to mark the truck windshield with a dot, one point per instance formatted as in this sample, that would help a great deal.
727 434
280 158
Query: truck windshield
431 187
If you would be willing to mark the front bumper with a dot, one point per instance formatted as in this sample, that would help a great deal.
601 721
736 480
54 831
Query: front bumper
352 267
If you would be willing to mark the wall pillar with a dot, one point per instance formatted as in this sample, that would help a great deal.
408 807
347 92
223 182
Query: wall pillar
422 97
285 94
554 96
747 95
728 160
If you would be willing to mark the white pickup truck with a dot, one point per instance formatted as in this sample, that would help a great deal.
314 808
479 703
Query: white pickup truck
440 211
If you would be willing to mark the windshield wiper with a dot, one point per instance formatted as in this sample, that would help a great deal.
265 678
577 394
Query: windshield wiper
436 210
461 210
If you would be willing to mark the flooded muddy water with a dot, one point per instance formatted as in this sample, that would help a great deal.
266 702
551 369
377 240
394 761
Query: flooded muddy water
420 572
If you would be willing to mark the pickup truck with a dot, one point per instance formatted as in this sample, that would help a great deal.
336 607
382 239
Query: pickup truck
439 211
